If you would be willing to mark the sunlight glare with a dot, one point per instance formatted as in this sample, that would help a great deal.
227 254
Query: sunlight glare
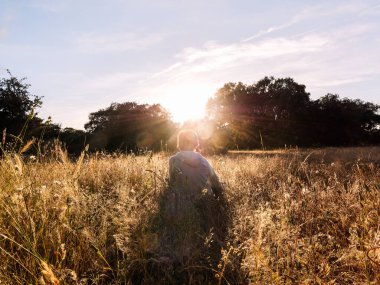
187 102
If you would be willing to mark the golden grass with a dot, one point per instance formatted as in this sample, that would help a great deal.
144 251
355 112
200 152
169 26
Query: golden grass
297 217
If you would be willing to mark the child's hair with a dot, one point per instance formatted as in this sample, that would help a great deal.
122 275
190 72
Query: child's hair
187 140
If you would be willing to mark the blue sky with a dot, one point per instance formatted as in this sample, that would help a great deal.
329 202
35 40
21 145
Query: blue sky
81 55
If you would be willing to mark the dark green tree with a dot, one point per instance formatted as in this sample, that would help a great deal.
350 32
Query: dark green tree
17 104
346 121
74 140
277 112
129 126
270 113
19 118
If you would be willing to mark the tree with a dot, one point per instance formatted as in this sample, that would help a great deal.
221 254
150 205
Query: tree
16 104
345 121
129 126
74 140
19 118
277 112
271 112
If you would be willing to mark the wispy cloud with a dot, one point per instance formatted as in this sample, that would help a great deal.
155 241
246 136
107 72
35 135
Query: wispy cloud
3 32
199 71
216 57
316 11
272 29
328 46
317 59
117 42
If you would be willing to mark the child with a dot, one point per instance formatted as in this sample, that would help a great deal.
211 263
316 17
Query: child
192 212
189 170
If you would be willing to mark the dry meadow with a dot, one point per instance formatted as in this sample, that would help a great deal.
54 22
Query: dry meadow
288 217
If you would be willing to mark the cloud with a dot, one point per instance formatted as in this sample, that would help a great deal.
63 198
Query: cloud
213 57
3 32
323 60
200 71
272 29
317 11
117 42
336 56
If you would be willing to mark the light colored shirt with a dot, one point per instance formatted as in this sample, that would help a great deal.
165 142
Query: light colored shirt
189 170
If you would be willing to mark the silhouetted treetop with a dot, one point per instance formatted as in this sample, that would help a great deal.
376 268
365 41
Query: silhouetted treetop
16 103
346 121
129 125
277 112
272 112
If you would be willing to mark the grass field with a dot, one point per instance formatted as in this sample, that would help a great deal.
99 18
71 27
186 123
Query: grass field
290 217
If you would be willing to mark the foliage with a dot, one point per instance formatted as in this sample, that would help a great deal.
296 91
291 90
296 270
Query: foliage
74 140
277 112
298 217
270 113
129 126
17 108
16 103
345 121
19 120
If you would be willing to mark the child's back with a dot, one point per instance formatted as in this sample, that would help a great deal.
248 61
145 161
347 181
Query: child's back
189 170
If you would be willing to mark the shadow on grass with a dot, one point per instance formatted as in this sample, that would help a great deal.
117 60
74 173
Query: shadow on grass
184 242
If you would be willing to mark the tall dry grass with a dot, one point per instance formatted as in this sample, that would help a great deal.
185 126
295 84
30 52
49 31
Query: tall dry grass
296 217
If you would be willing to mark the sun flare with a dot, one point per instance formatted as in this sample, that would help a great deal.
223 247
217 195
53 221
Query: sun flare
187 103
186 110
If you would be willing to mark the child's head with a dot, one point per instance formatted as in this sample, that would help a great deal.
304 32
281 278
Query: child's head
187 140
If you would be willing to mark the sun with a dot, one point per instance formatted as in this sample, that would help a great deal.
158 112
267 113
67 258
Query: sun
187 103
187 109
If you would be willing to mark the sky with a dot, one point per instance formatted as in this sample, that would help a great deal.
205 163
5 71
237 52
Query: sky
82 55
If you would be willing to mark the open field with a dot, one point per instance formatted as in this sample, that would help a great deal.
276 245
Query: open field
294 217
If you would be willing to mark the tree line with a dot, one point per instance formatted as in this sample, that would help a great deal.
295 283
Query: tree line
277 112
270 113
